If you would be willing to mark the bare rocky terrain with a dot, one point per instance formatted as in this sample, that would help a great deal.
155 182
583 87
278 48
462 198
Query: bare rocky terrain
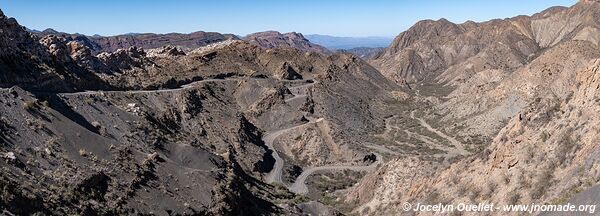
502 111
172 131
512 91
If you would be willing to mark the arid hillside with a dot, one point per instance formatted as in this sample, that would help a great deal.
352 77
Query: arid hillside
503 111
176 131
527 122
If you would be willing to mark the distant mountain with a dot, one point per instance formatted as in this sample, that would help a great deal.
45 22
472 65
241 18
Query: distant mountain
335 43
99 44
274 39
364 52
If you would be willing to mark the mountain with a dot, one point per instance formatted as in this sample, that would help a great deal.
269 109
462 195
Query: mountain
503 111
178 131
513 93
44 64
440 49
346 43
273 39
365 52
99 44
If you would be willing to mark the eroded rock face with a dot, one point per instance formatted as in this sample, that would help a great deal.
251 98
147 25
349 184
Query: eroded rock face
166 51
430 48
287 72
124 59
57 47
44 64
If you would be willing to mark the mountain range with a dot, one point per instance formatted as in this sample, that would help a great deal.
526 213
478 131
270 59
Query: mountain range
335 43
503 111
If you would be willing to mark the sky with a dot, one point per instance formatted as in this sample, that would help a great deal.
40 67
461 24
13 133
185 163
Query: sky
351 18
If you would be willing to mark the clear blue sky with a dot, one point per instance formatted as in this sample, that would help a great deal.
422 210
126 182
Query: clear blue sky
333 17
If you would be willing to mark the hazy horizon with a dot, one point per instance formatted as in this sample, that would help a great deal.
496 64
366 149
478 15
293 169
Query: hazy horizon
342 18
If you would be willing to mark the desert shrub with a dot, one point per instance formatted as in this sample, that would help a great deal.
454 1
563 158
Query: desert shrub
523 181
328 199
565 146
490 189
300 199
474 193
513 198
542 182
544 136
505 178
433 197
454 179
461 190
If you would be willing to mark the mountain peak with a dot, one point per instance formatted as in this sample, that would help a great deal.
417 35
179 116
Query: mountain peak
274 39
50 31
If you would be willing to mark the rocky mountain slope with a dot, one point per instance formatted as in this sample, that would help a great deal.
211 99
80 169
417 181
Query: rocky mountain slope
521 118
503 111
172 131
44 64
441 50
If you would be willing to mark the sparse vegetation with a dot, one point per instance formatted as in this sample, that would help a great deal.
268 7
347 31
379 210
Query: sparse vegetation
433 197
474 193
542 181
505 178
489 190
329 182
461 190
513 198
300 199
328 199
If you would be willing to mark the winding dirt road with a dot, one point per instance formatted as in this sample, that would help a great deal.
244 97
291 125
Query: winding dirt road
459 147
183 87
275 175
300 187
